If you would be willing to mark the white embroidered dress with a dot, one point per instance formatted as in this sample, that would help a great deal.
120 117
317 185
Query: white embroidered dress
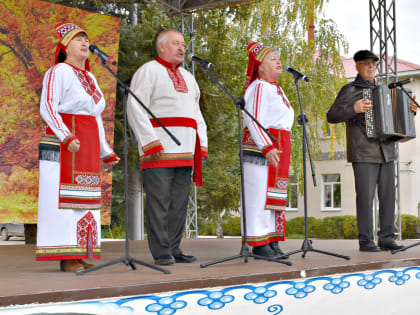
66 233
264 102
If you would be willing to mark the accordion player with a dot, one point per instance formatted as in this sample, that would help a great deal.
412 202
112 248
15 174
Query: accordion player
390 116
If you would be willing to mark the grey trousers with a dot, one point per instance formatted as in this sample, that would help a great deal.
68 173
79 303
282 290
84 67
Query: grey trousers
367 176
167 192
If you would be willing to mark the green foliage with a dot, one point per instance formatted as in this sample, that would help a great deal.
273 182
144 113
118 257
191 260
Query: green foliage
231 226
207 227
336 227
296 226
339 227
113 231
409 224
221 188
343 227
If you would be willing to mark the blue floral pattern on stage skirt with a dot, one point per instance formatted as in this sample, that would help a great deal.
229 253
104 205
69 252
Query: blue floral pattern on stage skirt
280 297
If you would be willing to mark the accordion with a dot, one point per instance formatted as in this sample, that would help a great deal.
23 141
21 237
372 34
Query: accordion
390 116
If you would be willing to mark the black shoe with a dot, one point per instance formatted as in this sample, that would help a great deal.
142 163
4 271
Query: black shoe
369 247
264 251
182 258
279 253
389 245
165 260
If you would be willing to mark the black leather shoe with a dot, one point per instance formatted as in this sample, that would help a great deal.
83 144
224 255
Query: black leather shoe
279 253
264 251
369 247
165 260
389 245
182 258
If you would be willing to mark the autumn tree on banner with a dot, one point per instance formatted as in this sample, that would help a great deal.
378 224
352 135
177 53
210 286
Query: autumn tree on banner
27 48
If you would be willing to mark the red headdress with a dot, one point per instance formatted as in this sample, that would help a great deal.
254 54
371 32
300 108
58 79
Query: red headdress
257 53
66 31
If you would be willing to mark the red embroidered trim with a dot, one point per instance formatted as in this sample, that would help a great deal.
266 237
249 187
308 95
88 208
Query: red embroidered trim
152 147
192 123
110 158
267 149
166 163
280 92
87 83
257 107
277 181
87 226
64 257
68 140
280 223
204 152
260 241
175 122
175 75
57 121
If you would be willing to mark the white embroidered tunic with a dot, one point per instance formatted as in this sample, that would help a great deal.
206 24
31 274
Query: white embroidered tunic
63 92
269 107
176 103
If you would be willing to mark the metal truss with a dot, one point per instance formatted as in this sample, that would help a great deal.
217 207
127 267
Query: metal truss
383 41
176 7
383 37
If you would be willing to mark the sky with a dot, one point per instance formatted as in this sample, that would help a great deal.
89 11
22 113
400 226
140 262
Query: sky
352 19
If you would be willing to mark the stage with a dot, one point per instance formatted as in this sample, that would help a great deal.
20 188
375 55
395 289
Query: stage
25 281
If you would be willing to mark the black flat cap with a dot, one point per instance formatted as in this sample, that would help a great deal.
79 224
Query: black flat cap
364 54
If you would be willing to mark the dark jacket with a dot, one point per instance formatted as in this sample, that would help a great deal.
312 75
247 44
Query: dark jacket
359 147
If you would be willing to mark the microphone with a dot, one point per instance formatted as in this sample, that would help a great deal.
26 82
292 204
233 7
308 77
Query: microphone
296 73
201 62
95 50
400 83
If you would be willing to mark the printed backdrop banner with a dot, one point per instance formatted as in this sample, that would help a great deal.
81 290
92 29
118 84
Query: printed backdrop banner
27 47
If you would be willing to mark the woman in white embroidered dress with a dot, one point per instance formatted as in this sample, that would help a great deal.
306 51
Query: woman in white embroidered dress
266 163
70 150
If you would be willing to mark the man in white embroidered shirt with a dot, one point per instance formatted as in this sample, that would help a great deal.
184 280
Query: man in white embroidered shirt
172 95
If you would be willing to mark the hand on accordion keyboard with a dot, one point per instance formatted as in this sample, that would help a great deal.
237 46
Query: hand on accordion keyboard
413 106
362 106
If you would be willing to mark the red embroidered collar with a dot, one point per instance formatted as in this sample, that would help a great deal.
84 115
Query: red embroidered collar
280 92
87 83
166 63
175 75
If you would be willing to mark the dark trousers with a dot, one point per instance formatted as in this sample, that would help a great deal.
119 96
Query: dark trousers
167 192
367 177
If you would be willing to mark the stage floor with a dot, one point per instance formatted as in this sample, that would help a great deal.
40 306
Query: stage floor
25 281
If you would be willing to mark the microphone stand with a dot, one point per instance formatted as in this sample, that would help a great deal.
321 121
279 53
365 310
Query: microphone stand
127 259
307 244
245 250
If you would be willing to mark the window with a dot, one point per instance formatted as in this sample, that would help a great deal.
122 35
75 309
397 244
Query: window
292 195
331 192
